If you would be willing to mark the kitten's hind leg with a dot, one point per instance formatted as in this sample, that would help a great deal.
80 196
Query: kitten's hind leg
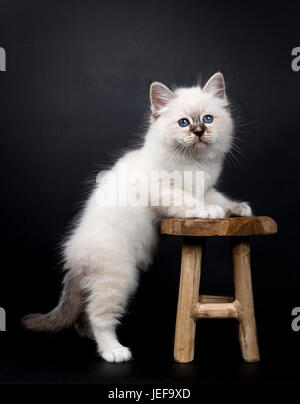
83 326
106 304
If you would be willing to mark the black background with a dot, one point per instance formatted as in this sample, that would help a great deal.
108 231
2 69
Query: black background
75 93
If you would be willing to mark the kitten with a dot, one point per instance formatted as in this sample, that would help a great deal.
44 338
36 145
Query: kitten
190 130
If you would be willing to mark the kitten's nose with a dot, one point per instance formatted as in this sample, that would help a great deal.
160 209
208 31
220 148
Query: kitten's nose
198 130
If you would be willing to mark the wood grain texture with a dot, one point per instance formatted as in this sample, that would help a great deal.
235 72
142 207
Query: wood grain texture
215 299
243 294
233 226
217 310
185 329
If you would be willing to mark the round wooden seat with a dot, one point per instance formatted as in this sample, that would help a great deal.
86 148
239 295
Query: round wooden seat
233 226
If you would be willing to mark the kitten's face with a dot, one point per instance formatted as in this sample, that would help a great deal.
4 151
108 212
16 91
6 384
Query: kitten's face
193 119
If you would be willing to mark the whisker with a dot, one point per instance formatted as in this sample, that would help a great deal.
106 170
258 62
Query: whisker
241 125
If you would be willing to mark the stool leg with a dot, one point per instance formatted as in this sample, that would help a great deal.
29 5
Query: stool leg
185 330
243 293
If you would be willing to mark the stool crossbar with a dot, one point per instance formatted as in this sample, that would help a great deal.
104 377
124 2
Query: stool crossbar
191 305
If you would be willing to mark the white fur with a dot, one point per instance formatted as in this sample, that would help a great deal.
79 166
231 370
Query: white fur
109 244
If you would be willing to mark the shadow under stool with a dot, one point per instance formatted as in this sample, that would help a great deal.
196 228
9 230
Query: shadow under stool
191 306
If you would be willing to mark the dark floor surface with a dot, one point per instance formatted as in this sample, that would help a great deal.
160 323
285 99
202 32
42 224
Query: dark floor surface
64 358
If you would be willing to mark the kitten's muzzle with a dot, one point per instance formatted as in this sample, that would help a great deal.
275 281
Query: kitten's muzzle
198 130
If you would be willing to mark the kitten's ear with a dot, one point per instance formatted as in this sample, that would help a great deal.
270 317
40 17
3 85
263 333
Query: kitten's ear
216 86
160 96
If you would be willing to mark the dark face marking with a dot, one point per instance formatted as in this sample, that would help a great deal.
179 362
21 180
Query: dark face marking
197 118
198 128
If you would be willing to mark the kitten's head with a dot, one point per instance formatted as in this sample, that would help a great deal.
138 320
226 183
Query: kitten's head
192 119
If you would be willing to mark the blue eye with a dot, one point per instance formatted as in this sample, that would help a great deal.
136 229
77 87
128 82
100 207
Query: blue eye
208 119
183 122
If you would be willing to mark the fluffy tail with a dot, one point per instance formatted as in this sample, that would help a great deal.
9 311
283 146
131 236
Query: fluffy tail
64 315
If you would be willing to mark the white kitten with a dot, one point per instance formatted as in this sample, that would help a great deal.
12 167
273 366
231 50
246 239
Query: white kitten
190 130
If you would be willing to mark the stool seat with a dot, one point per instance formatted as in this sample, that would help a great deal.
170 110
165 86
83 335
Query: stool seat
232 226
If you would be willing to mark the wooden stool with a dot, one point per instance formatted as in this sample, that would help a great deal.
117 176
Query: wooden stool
191 306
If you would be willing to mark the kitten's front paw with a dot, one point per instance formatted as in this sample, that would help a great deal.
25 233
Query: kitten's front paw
120 354
241 209
212 212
